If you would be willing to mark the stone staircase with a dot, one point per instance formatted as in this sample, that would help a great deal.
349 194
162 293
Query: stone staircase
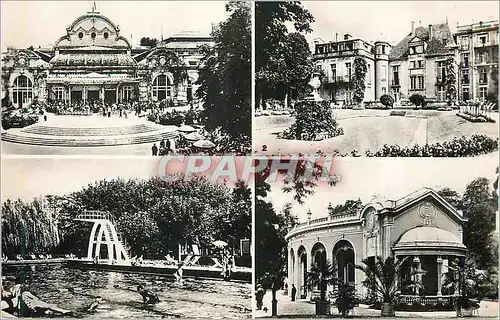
88 137
106 131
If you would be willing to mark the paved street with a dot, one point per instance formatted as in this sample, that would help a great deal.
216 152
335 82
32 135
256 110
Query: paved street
305 309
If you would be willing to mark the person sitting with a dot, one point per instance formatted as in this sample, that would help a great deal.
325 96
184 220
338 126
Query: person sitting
148 296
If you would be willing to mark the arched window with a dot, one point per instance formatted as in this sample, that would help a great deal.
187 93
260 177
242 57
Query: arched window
22 91
162 88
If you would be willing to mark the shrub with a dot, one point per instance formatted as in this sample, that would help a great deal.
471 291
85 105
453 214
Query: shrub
457 147
474 118
175 118
398 113
15 120
313 121
387 100
417 99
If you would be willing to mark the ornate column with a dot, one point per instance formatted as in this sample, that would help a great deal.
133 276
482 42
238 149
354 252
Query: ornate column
417 275
290 271
439 261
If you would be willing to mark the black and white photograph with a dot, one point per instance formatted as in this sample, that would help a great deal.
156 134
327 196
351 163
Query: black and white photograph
376 78
413 238
126 78
109 238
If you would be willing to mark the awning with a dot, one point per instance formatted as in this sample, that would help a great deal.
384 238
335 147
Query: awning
429 240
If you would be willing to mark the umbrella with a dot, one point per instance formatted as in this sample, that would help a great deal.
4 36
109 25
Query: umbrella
204 144
186 129
194 136
219 243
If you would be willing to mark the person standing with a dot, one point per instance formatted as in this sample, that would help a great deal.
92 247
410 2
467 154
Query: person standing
294 292
162 143
168 145
154 149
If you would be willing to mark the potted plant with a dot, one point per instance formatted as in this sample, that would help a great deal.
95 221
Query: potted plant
345 298
381 276
320 276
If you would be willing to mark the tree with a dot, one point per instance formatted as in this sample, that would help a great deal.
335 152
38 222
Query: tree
348 206
358 79
479 207
382 277
271 19
322 274
225 79
493 85
149 42
299 65
452 197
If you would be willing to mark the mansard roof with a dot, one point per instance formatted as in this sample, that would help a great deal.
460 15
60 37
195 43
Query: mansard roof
441 42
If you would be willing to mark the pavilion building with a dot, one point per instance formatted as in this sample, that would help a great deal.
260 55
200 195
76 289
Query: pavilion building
93 62
421 226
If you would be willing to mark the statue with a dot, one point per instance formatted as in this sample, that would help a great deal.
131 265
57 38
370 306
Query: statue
315 83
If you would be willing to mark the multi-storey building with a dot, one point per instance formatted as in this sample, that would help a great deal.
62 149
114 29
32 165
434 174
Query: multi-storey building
336 59
478 57
430 61
422 62
92 61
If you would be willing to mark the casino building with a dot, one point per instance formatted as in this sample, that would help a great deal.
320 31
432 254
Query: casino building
92 61
421 226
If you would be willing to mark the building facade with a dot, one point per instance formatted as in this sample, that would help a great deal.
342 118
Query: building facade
478 58
430 61
93 62
421 226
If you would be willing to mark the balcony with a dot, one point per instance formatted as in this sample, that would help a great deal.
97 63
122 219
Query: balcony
491 42
339 79
344 217
486 61
395 83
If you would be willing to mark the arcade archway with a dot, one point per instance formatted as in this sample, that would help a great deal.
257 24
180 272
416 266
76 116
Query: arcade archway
162 87
22 91
344 257
302 272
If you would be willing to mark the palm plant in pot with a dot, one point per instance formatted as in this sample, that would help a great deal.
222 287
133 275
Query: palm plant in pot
381 276
320 276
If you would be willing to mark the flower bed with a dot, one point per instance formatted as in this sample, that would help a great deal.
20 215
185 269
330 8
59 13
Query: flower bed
398 113
18 120
474 118
458 147
313 122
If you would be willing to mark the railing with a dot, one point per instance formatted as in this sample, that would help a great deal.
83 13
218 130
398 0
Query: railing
347 214
426 300
94 215
486 61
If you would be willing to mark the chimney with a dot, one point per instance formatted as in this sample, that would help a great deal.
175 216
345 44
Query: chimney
413 28
347 36
430 32
336 36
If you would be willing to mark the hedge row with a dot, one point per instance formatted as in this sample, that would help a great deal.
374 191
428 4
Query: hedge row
458 147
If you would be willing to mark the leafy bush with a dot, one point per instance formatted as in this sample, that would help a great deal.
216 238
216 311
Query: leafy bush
16 120
175 118
417 99
313 121
387 100
434 105
458 147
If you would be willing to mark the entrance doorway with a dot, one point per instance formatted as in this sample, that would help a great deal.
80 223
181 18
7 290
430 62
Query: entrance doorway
76 95
93 95
110 96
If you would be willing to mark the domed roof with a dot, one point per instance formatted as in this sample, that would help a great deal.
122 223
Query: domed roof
93 60
429 236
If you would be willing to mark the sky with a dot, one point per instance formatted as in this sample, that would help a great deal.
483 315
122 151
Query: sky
27 178
391 20
39 23
392 178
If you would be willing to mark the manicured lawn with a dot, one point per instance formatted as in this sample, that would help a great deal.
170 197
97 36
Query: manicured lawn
370 130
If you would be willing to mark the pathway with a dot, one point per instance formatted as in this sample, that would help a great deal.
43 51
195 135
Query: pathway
304 308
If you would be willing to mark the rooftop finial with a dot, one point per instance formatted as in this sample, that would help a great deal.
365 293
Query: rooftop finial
94 7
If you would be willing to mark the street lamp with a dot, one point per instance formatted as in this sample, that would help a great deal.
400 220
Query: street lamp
309 214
